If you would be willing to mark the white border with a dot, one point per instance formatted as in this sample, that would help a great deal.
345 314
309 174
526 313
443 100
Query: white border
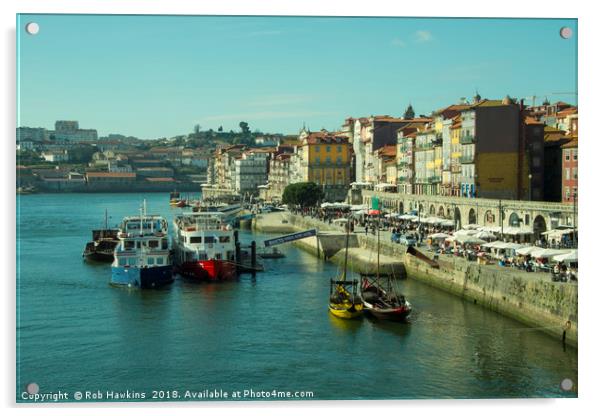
589 73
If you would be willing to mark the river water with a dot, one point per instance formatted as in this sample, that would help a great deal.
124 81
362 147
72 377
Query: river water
271 332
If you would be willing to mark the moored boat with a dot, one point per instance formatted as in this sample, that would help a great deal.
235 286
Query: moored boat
204 246
142 257
382 303
174 198
379 296
103 244
344 301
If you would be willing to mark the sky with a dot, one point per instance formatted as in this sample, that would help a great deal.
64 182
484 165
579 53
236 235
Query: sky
158 76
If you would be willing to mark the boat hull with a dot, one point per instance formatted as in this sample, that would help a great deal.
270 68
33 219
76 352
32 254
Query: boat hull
208 270
346 310
149 277
390 314
99 257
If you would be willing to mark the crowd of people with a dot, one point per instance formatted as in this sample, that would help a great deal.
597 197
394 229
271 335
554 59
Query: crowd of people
420 232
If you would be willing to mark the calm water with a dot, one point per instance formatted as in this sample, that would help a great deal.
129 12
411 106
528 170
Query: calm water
77 333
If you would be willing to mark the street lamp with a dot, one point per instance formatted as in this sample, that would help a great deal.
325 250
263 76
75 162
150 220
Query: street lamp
530 177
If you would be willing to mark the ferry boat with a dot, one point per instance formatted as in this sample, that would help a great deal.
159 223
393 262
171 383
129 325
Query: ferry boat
204 246
142 257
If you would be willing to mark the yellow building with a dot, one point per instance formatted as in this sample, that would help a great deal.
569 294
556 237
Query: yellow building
455 155
325 158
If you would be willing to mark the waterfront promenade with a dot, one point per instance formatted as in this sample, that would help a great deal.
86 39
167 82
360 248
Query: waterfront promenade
532 298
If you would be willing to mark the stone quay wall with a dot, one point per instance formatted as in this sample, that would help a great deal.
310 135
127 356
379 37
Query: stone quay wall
531 298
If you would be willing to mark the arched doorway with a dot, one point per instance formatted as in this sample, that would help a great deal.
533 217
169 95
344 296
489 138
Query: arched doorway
457 218
539 226
472 216
400 207
421 209
514 220
448 216
489 218
441 212
432 211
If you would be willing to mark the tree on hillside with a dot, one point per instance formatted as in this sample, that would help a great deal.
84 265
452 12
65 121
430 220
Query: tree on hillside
304 194
220 129
244 127
409 114
82 154
197 129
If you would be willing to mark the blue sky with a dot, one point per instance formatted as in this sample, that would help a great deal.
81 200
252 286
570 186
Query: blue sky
156 76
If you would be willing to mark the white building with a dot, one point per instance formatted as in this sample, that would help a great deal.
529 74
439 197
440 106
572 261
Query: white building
250 171
56 156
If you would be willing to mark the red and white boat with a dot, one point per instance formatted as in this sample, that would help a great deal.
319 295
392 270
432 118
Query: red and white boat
204 246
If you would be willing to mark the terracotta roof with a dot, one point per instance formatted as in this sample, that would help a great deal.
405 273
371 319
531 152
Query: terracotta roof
453 107
110 174
155 168
387 150
389 119
571 143
325 137
567 112
160 179
488 103
532 120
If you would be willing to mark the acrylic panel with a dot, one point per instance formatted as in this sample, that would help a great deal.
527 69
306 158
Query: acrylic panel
222 208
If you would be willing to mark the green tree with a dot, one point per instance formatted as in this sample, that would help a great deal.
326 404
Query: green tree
82 154
305 194
220 129
197 129
244 127
409 114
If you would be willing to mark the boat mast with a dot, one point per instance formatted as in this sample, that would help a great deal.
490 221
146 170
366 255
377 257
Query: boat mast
378 247
346 251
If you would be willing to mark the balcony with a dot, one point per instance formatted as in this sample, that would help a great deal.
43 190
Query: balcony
467 159
467 139
402 164
434 179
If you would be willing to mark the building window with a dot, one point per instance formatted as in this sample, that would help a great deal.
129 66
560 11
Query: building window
575 154
327 148
567 174
339 149
567 193
567 154
574 173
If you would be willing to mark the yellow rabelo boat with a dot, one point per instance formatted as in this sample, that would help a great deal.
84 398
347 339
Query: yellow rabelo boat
344 302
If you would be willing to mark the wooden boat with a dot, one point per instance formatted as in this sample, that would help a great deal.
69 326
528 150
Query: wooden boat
344 301
103 244
174 198
382 301
379 296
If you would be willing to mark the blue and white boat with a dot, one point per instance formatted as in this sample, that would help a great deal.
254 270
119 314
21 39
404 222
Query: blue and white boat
142 257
